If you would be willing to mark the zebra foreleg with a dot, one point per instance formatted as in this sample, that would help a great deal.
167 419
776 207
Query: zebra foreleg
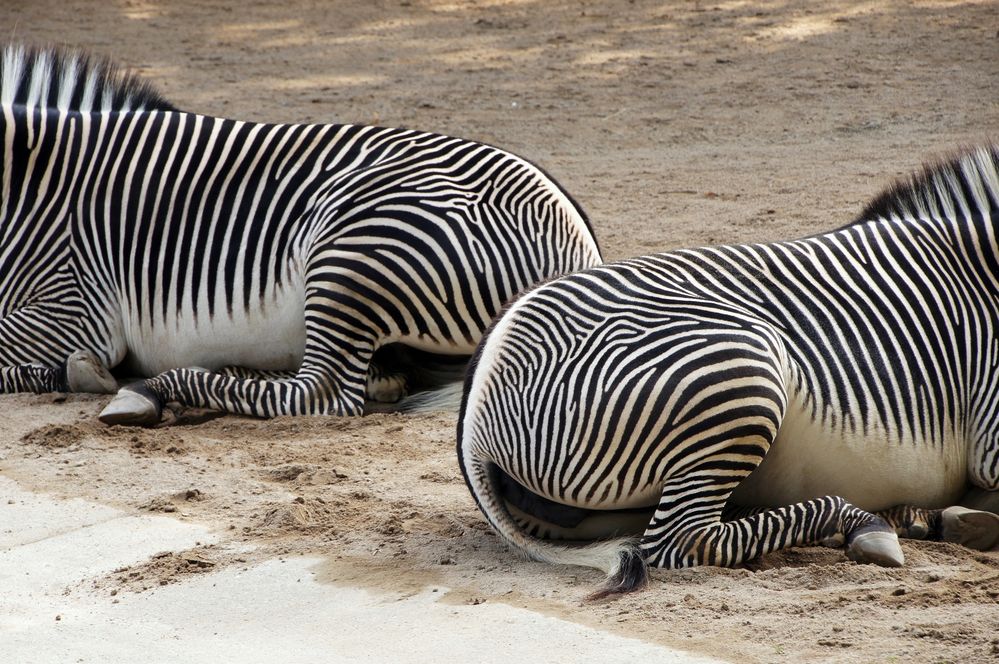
975 529
81 372
84 372
688 529
31 378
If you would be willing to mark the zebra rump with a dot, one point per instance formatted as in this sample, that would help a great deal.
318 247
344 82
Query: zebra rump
709 405
250 268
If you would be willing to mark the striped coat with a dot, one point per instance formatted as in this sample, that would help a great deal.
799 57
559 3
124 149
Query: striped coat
812 382
168 240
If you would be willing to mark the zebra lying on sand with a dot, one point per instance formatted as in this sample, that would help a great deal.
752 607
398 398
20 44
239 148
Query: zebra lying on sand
724 402
283 256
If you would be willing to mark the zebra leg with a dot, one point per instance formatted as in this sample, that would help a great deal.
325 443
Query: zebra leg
913 522
688 528
31 378
262 374
312 391
383 385
56 347
235 390
308 393
331 381
81 372
85 373
975 529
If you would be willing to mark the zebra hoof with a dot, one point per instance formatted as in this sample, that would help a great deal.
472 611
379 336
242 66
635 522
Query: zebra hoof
386 390
971 528
876 547
85 373
833 541
133 406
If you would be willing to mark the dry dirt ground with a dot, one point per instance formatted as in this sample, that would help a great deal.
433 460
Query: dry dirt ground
674 125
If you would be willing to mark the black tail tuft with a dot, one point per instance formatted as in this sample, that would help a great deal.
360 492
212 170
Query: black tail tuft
632 574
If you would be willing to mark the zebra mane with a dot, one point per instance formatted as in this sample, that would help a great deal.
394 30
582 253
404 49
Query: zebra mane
71 80
967 181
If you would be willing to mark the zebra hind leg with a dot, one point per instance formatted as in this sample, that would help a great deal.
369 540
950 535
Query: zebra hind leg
975 529
136 404
243 372
314 390
391 376
383 384
688 527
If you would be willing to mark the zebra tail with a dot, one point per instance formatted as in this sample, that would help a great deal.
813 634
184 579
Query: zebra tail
621 559
446 398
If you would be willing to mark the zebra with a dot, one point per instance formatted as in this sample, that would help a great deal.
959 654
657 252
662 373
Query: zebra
710 405
258 269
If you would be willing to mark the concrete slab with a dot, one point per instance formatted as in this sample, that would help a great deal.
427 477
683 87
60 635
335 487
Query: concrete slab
273 612
27 517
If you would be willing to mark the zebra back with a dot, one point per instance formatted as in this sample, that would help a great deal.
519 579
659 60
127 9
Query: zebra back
71 80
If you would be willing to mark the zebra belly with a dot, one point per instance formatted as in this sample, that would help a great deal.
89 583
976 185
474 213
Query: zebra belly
872 470
269 336
433 344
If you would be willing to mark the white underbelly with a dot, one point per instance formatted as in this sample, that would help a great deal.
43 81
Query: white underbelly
271 336
873 471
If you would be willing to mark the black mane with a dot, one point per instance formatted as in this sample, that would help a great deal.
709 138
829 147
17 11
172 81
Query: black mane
940 185
67 79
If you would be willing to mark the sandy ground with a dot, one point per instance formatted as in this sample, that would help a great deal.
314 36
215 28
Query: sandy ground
674 125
